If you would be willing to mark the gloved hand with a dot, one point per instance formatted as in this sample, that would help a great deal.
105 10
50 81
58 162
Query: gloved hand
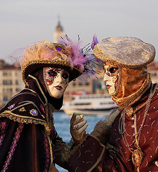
77 128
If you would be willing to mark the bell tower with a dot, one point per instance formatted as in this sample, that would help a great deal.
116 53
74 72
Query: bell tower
59 31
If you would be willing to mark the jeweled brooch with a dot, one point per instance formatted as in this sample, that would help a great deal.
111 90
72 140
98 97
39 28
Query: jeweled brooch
11 106
33 112
137 157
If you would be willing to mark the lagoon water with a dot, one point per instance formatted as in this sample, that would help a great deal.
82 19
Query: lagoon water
62 125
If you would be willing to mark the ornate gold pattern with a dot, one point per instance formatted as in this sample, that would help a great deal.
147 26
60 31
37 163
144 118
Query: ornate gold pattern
35 92
49 62
131 99
22 109
26 103
46 101
125 52
47 129
137 156
22 119
129 110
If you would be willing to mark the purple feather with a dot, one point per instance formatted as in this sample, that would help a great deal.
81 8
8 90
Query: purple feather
62 41
80 58
94 42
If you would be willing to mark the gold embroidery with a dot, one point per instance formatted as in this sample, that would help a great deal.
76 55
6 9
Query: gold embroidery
27 103
129 110
47 129
43 116
23 119
118 51
22 109
46 101
61 62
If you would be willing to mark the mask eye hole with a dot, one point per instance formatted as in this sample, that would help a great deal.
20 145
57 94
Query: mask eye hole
113 69
65 76
52 73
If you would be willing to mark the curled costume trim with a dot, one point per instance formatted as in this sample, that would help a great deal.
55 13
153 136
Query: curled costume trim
21 119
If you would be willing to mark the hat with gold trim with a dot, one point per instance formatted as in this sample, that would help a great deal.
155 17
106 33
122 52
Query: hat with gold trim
66 54
125 52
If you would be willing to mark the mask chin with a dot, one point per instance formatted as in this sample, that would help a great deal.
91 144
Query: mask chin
55 94
111 83
112 90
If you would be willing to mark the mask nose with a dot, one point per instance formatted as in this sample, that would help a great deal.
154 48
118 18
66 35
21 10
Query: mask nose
59 79
106 77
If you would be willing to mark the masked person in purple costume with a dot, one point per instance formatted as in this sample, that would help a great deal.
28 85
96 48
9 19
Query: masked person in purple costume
29 141
127 141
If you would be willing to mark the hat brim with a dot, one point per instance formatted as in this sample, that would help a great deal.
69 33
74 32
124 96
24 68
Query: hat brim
32 68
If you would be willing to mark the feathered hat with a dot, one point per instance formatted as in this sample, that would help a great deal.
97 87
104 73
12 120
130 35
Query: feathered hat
65 54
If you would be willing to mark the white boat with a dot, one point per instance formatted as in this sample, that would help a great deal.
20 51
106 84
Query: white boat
89 104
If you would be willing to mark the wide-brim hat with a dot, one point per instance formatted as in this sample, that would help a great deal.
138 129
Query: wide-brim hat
46 54
125 52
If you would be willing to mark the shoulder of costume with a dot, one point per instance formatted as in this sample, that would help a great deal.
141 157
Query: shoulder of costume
25 107
154 98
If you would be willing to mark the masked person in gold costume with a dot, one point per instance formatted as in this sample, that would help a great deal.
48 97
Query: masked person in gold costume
127 141
29 141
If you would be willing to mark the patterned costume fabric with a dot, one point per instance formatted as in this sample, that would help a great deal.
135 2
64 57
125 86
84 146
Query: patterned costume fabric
28 139
116 153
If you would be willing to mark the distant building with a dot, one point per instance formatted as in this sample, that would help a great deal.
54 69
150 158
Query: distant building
96 85
59 32
10 81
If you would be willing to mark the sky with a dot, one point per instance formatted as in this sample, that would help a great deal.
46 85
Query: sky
24 22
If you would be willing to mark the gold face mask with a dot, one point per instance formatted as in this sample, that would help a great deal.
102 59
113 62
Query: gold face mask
111 77
130 86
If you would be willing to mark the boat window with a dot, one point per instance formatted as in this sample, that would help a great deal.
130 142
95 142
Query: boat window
82 103
105 103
